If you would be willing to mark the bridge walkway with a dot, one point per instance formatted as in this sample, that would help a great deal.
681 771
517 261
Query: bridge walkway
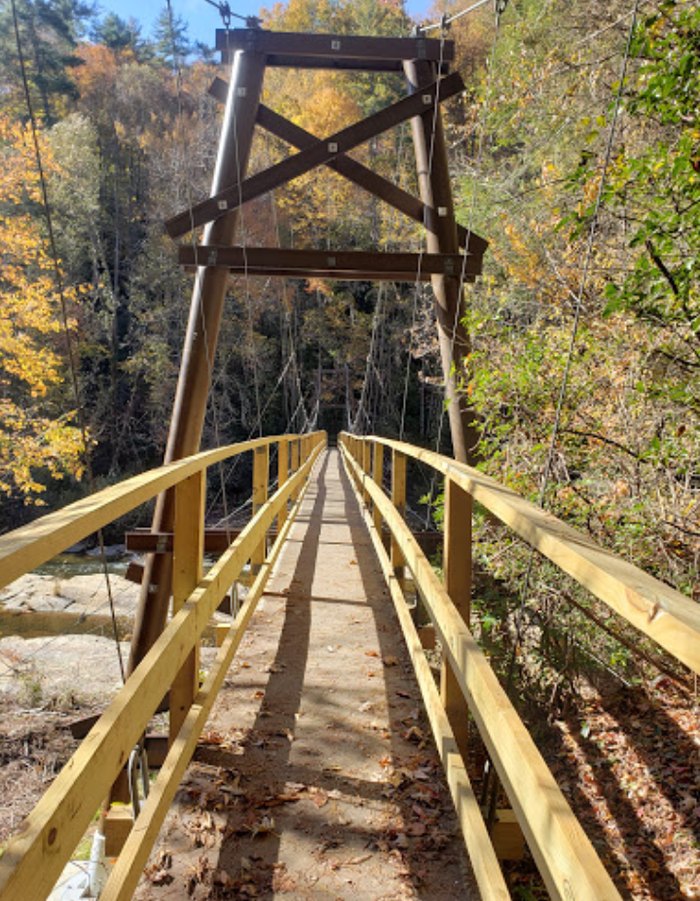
316 776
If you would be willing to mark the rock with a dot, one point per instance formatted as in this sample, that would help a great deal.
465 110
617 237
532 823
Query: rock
111 552
79 548
61 671
85 594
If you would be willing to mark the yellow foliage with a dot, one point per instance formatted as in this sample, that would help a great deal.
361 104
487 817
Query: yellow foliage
31 438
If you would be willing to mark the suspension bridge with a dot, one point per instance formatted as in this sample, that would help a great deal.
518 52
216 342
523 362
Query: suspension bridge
328 550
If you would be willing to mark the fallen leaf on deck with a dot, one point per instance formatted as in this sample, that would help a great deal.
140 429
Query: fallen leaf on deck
318 796
222 878
390 660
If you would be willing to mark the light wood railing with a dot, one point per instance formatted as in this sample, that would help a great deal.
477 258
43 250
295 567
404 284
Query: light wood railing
34 859
565 857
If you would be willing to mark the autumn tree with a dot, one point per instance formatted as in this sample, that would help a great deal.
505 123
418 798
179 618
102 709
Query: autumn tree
49 33
38 435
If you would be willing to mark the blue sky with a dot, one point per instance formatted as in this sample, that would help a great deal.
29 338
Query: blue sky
202 19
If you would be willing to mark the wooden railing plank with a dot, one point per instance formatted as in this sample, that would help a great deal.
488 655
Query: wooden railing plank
33 859
487 872
657 610
565 857
23 549
127 870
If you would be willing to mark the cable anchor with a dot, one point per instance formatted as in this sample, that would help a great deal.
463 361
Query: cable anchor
227 14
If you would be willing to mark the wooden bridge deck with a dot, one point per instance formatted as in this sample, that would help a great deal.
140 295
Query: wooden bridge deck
316 776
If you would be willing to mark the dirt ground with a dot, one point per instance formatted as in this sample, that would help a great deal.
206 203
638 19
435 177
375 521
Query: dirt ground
316 778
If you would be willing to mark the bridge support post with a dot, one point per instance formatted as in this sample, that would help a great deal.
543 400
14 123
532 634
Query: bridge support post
441 237
282 476
377 474
294 462
188 556
366 451
199 349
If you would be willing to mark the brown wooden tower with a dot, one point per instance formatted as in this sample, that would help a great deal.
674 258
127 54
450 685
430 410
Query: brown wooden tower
453 255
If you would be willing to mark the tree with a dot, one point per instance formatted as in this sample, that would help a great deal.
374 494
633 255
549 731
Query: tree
49 32
655 190
171 44
37 438
119 34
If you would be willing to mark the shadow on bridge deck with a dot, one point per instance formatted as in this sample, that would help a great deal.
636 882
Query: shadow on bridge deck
316 777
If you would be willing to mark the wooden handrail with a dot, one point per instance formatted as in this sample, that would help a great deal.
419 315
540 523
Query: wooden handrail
23 549
565 857
659 611
33 860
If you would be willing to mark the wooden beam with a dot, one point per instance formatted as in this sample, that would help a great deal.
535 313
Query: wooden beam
146 541
361 175
457 570
230 198
435 188
261 479
201 338
188 560
398 499
282 474
378 475
564 855
353 51
355 265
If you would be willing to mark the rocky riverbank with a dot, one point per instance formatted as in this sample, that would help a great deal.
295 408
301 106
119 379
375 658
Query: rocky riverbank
57 647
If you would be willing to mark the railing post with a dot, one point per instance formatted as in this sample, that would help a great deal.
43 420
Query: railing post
294 463
377 474
366 466
188 554
282 476
457 567
398 499
261 476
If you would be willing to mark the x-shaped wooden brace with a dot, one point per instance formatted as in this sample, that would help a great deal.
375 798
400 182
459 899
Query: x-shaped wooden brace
330 151
354 171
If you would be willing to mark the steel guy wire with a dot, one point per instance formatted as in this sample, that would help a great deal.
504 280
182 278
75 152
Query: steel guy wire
446 21
60 290
373 338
